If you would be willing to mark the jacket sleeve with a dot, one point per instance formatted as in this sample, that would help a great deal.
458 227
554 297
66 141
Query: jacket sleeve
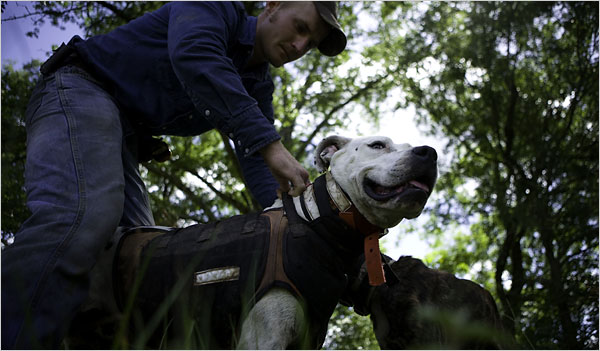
259 179
199 35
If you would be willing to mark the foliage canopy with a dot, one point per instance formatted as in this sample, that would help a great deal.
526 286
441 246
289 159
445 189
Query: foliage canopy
511 86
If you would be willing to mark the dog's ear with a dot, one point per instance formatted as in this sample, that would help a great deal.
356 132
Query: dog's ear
325 150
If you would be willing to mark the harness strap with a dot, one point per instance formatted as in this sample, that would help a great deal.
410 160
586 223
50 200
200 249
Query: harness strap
322 195
304 208
274 271
290 209
372 253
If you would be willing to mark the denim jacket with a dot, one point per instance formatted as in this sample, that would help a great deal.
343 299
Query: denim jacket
180 71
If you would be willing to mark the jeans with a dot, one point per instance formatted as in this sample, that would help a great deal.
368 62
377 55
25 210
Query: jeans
82 182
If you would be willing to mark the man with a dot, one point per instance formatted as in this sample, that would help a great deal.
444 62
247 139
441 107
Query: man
182 70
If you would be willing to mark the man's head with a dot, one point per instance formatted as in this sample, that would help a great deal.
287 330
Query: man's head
288 30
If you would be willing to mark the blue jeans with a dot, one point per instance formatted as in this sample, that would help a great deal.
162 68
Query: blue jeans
82 182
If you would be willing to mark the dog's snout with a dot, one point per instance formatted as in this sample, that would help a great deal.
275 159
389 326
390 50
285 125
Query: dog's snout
425 152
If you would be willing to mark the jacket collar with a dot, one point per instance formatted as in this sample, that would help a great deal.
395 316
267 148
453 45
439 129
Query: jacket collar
247 38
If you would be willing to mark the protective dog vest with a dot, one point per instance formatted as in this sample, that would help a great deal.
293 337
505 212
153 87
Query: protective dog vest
216 272
205 273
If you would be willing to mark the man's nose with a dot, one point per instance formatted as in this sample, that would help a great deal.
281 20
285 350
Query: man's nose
301 44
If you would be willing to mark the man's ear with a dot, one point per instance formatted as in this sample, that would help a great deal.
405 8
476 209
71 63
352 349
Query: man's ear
325 150
272 6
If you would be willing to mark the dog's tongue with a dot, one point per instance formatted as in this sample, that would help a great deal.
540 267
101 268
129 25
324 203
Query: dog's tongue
419 185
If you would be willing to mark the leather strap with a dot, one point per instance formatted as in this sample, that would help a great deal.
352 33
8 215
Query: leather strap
356 221
373 260
274 271
372 253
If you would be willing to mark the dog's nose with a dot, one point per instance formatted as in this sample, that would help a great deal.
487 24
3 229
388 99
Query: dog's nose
425 152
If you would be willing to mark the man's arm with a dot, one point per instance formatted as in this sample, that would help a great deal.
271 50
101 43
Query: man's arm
262 180
199 35
258 178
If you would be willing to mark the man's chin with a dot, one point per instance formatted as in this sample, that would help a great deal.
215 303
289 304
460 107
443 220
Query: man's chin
276 61
279 61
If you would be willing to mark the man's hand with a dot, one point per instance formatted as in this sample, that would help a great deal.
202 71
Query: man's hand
285 168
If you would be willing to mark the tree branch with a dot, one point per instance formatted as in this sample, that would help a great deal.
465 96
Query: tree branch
367 87
44 13
183 187
223 196
117 11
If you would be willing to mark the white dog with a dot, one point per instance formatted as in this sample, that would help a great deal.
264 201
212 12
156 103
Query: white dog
308 243
385 181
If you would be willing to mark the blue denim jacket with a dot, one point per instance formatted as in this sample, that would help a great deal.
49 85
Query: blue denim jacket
180 71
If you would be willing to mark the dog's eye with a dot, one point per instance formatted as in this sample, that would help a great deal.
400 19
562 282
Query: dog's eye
378 145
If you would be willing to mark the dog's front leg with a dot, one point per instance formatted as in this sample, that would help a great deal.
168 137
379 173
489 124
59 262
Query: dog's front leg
273 323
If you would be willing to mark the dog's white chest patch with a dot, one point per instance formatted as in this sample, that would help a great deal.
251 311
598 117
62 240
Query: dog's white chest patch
216 275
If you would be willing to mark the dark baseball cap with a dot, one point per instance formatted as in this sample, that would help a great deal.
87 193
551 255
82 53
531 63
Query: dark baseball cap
335 42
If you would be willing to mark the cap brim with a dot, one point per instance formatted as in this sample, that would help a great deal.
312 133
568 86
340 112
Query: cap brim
335 42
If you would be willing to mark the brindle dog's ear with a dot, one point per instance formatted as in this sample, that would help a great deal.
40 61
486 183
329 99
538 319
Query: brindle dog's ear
325 150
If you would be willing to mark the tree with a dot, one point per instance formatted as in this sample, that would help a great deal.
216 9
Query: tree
514 86
349 331
16 89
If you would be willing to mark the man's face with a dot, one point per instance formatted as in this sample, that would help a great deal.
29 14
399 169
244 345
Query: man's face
289 31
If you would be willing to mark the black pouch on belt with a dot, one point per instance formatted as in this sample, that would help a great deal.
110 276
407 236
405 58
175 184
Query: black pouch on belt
65 54
150 148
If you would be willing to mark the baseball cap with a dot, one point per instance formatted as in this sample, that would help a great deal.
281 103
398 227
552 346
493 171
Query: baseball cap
335 42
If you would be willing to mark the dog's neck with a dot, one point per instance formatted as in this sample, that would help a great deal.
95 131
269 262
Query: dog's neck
307 207
326 198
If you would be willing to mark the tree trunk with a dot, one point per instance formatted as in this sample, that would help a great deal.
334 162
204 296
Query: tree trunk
559 296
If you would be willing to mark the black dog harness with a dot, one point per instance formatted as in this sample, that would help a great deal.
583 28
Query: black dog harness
234 262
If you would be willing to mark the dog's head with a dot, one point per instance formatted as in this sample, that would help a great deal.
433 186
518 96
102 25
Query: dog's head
386 182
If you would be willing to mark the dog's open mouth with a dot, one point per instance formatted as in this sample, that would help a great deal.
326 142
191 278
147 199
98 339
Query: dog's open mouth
383 193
